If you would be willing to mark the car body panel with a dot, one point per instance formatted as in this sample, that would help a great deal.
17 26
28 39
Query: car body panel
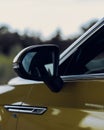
79 105
11 95
8 121
63 119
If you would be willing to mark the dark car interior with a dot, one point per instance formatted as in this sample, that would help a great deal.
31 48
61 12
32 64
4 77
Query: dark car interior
88 58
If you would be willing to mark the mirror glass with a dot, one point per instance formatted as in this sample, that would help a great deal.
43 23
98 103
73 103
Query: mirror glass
27 61
39 63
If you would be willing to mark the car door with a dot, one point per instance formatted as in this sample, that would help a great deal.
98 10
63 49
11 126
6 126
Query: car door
80 104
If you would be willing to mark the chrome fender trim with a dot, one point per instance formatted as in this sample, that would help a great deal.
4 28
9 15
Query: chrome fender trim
26 109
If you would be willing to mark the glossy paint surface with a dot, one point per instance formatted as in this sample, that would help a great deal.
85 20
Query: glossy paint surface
10 95
79 105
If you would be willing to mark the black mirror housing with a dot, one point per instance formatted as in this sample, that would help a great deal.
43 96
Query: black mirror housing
39 63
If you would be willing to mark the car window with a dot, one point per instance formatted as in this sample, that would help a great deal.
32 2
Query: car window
96 65
88 58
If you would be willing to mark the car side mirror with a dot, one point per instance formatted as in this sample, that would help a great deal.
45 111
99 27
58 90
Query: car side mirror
39 63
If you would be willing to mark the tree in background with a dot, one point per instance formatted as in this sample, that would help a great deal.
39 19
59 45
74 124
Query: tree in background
10 39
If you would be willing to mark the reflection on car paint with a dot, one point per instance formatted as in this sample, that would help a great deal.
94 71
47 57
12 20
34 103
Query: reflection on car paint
6 88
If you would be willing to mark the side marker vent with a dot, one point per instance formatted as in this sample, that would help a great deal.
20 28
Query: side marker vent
26 109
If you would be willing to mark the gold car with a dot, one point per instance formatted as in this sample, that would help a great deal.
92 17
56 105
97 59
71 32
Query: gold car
55 92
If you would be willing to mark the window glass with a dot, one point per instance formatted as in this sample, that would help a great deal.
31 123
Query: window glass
88 58
96 65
